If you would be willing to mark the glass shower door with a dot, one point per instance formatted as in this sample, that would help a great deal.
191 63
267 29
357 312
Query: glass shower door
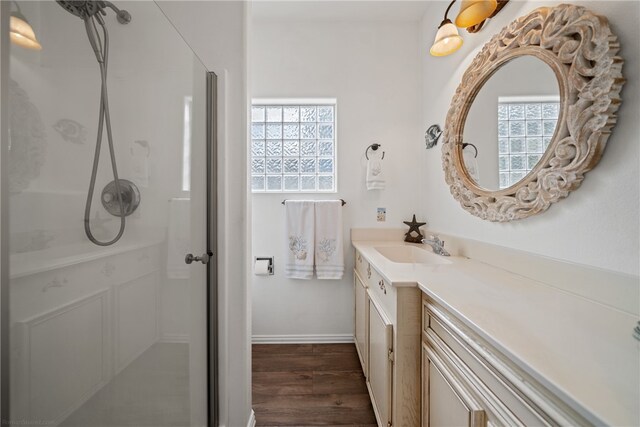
109 335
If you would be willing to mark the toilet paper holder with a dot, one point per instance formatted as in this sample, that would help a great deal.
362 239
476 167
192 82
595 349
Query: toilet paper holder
269 259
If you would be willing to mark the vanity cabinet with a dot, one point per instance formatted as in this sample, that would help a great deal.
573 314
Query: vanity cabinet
380 378
446 400
476 345
468 382
387 335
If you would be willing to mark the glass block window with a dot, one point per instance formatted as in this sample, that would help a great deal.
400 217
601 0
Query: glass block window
525 129
293 146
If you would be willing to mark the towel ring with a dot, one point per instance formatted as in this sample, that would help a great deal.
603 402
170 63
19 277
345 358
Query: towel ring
467 144
374 147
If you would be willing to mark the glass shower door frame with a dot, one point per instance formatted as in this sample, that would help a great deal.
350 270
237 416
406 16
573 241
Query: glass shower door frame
212 246
4 213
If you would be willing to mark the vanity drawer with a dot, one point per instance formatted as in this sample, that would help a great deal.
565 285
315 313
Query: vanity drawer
378 285
377 281
361 265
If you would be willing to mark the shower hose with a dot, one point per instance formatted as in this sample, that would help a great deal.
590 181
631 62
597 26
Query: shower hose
101 49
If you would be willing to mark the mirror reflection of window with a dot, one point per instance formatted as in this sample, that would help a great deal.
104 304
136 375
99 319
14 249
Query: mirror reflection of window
525 129
510 122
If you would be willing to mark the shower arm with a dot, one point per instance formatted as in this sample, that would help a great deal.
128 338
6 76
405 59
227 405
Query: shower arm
124 17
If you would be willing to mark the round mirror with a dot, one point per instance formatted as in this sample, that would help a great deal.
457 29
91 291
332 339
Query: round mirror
511 123
537 103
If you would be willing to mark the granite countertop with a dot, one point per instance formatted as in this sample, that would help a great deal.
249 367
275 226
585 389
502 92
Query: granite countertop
581 350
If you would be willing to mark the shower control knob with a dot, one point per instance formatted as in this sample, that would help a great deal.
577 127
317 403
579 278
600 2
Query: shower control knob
204 258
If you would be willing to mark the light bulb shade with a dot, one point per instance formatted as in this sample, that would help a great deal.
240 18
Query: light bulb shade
21 33
447 40
473 12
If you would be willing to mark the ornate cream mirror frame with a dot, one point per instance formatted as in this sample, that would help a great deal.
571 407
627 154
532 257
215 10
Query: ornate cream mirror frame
582 51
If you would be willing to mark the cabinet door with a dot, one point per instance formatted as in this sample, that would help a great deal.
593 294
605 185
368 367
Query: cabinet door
361 320
379 380
445 401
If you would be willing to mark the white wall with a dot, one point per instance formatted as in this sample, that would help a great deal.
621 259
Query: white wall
373 71
216 30
597 224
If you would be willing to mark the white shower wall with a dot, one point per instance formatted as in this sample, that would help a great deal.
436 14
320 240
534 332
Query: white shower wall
63 82
146 95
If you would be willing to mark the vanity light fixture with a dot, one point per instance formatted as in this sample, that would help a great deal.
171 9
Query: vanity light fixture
472 15
447 38
21 32
473 12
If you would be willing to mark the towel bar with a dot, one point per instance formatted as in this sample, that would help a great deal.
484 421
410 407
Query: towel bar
342 200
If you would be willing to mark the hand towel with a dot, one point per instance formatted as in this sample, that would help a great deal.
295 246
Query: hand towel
299 220
471 164
179 238
375 175
329 252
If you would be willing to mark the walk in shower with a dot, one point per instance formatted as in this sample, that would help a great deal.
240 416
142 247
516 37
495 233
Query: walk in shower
108 335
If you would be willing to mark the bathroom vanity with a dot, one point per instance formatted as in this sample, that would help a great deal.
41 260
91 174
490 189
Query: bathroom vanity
457 341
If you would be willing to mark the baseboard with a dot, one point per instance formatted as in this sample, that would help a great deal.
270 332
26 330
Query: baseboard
302 339
174 338
252 419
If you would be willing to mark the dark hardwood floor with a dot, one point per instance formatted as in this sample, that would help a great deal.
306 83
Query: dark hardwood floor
309 385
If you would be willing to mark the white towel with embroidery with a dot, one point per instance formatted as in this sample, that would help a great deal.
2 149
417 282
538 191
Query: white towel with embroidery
299 226
329 253
375 174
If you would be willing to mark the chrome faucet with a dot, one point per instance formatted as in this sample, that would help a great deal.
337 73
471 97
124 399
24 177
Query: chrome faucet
436 244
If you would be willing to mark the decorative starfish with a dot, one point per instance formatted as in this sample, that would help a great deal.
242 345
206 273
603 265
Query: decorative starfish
414 226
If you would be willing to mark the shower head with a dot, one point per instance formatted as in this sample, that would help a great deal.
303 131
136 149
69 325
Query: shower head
87 8
81 8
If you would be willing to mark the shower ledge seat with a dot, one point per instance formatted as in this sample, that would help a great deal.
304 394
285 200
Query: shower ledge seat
28 263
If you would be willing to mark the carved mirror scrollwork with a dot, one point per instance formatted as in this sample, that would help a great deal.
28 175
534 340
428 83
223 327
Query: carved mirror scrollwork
581 51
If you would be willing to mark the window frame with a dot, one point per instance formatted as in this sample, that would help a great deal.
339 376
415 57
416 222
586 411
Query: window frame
301 102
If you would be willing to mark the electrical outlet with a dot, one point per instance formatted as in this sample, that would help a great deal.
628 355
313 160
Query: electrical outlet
382 214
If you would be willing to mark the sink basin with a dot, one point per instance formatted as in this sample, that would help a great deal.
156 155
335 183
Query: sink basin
411 255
